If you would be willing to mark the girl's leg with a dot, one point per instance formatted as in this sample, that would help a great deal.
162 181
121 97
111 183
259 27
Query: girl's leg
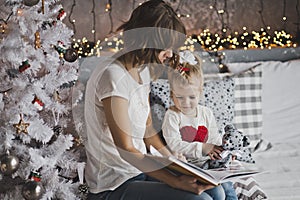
216 193
229 191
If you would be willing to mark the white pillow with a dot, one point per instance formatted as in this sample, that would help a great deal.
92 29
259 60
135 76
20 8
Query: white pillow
281 101
237 68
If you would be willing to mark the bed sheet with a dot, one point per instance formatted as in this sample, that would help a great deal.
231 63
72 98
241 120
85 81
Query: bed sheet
280 179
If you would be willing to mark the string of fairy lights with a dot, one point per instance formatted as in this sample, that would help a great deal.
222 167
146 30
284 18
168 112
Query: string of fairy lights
298 21
224 38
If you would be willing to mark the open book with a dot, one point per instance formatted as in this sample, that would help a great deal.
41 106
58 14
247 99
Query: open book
212 176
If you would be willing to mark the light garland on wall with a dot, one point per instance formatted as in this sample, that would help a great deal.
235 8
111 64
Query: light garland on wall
298 23
261 13
221 13
284 15
209 41
72 21
94 21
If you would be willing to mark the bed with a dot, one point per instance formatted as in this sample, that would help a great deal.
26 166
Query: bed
272 118
262 90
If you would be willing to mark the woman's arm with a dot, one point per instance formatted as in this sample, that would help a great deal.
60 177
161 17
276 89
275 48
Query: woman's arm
116 111
152 138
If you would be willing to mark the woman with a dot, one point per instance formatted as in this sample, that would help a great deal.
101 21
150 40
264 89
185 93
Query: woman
118 119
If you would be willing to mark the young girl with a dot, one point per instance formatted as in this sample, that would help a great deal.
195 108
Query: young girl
118 119
190 128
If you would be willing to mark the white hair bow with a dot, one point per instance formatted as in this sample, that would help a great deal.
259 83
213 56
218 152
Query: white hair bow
187 56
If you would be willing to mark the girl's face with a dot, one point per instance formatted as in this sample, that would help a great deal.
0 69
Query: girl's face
186 97
164 55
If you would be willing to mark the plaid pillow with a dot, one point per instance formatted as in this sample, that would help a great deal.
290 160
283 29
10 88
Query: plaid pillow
248 104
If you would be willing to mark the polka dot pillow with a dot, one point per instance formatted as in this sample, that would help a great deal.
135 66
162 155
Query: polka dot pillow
219 97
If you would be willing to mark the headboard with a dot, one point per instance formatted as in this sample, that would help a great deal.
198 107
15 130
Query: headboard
210 60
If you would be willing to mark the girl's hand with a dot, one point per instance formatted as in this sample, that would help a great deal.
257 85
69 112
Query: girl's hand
213 151
189 183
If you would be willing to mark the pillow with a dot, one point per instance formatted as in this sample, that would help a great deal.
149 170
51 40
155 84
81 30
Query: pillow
238 68
248 104
254 55
160 101
218 96
248 189
210 63
281 101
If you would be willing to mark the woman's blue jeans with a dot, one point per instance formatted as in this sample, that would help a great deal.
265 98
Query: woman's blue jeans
142 187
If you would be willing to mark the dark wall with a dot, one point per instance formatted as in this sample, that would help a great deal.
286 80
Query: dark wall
253 14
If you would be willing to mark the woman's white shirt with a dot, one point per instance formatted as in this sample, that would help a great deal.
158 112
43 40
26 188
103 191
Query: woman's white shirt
105 169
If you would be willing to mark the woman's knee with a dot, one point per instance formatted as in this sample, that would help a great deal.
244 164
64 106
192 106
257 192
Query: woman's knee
156 190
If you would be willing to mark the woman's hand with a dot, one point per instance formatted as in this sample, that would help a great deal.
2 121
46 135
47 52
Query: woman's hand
213 151
189 183
180 156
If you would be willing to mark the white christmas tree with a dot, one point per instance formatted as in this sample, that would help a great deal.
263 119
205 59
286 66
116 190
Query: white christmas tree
40 157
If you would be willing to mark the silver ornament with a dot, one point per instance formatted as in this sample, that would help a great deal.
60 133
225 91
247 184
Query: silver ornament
9 164
71 55
32 190
30 2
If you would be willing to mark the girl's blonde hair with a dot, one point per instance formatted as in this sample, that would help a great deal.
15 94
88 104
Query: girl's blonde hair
184 73
153 26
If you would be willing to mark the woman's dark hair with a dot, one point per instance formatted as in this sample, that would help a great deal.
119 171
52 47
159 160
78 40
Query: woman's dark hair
153 26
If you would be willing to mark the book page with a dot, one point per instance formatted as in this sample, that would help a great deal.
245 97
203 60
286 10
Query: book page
226 174
213 176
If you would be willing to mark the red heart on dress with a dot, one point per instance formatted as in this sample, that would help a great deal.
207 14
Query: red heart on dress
202 134
188 133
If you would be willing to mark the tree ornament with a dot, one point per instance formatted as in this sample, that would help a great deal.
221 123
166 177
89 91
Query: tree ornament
47 24
60 48
77 141
33 188
25 65
68 85
57 130
37 41
43 6
83 188
38 103
30 2
12 72
71 55
9 164
4 30
61 14
3 27
21 126
5 94
56 96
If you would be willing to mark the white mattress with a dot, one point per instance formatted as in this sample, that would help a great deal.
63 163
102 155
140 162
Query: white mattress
281 164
